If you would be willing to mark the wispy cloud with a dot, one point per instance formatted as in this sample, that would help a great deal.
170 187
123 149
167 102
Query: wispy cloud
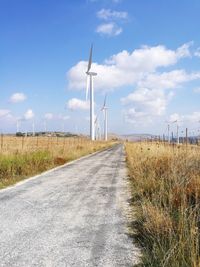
112 18
78 104
17 97
107 14
109 29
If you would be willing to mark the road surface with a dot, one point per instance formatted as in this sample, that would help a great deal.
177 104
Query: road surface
71 216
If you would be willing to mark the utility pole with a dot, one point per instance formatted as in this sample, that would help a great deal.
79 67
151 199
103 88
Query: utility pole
17 125
168 129
186 136
33 128
177 134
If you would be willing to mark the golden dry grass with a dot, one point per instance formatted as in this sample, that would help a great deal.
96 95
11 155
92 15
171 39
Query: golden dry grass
166 199
21 157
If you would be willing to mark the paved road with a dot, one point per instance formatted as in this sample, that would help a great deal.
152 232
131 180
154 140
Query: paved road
71 216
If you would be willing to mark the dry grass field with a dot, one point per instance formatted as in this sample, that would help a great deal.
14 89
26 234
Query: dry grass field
166 203
22 157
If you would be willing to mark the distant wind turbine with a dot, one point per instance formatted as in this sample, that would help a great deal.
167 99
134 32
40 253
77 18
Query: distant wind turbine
177 130
33 128
97 129
18 124
105 112
90 87
45 126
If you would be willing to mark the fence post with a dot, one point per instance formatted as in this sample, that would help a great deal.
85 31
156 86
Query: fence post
186 136
1 141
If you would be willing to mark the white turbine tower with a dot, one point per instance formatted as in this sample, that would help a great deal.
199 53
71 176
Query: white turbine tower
105 112
97 129
18 125
90 76
33 128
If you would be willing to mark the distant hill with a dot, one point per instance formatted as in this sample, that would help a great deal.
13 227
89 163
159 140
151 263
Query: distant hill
136 137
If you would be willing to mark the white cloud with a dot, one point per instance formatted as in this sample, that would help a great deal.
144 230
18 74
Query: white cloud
149 58
153 92
183 51
4 112
28 115
134 116
48 116
139 69
107 14
78 104
150 101
109 29
143 105
17 97
126 69
167 80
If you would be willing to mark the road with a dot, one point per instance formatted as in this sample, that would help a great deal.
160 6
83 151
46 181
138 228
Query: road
74 215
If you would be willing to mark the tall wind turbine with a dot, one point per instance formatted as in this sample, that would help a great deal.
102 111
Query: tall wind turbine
90 86
105 111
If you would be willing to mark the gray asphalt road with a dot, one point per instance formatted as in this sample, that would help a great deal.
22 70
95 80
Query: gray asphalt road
71 216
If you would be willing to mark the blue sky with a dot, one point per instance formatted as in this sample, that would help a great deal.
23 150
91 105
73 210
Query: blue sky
146 54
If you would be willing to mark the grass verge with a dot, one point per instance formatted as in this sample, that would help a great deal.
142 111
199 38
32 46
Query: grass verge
16 165
166 203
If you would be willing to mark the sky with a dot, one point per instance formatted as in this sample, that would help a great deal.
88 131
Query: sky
146 55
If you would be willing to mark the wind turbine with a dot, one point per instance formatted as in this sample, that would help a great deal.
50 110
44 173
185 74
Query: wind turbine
90 86
97 129
18 124
105 110
45 126
33 128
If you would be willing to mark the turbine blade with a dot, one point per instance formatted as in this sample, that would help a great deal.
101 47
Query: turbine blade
90 59
104 115
104 104
87 86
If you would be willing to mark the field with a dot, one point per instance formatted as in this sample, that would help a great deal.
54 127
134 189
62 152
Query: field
21 157
165 183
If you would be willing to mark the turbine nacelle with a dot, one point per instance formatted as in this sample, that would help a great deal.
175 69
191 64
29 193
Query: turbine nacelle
91 73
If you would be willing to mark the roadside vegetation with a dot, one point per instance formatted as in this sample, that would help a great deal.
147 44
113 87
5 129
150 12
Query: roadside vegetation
165 183
22 157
